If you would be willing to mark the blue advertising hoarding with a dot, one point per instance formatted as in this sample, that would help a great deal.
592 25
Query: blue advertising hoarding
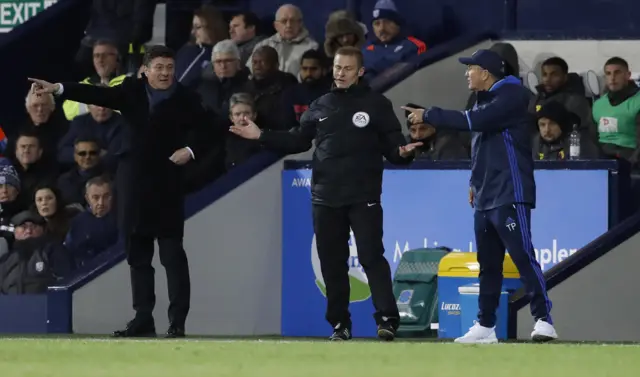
427 208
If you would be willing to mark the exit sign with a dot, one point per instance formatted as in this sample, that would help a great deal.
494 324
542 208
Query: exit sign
16 12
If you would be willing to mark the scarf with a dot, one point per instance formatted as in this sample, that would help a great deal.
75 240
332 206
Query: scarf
156 96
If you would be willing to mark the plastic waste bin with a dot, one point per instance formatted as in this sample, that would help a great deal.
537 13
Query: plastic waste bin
457 269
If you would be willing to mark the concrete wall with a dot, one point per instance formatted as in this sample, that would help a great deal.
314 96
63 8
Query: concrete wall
234 249
598 303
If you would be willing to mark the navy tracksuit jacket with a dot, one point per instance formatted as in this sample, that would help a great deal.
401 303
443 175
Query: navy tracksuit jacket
504 190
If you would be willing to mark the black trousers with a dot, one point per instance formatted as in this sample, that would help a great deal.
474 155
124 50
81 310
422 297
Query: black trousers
332 227
508 227
140 250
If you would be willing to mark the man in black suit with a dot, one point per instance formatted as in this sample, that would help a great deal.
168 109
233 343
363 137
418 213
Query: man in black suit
165 131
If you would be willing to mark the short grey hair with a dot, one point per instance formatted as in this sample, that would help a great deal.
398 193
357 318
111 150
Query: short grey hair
242 99
30 95
101 180
226 46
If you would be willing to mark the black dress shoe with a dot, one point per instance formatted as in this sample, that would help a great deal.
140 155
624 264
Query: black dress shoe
175 332
137 329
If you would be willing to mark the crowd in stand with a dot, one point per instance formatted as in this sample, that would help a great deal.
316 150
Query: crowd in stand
56 188
55 174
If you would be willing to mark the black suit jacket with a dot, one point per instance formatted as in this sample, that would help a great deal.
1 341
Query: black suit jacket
150 188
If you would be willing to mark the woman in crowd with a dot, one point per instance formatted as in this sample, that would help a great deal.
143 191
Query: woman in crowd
49 205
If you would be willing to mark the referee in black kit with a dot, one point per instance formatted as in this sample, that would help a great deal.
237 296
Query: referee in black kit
353 129
502 188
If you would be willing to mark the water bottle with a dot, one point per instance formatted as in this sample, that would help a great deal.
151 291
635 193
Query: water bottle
574 144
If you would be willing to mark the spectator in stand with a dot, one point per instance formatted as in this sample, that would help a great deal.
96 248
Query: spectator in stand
342 31
226 78
10 205
44 121
436 145
106 62
208 28
555 124
34 262
267 86
102 125
390 45
95 230
243 29
313 84
241 111
558 85
617 113
343 13
128 23
31 166
88 165
49 205
291 40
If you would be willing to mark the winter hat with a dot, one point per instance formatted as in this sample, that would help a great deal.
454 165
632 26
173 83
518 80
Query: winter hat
386 9
556 112
9 176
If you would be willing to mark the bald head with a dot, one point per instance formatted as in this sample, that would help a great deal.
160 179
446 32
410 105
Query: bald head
288 22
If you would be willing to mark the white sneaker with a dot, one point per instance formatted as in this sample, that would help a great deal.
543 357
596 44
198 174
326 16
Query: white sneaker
478 335
543 332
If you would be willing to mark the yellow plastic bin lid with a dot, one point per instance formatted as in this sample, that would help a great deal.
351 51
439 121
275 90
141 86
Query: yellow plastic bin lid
463 264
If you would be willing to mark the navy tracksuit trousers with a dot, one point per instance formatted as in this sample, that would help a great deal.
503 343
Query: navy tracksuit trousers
508 227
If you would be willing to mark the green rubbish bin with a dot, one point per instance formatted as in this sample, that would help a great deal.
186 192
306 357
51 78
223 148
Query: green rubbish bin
415 286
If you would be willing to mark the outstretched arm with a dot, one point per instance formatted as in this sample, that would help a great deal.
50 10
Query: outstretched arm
393 140
296 140
486 117
111 97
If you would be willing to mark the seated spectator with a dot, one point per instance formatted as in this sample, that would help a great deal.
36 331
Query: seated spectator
291 40
241 111
32 168
88 165
342 31
10 205
94 231
33 262
226 78
389 46
436 145
208 28
617 113
44 121
101 125
129 24
313 84
243 29
49 205
267 86
106 62
558 85
343 13
555 124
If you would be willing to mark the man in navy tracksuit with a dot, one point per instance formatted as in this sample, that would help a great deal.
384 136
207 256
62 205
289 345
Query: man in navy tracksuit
502 188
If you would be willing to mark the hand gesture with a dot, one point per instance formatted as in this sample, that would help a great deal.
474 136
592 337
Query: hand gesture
471 197
416 115
251 131
407 150
43 87
181 156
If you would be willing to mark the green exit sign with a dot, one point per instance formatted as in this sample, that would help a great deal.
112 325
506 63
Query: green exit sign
16 12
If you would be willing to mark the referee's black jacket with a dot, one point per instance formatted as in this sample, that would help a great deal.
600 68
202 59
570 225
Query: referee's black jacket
353 129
